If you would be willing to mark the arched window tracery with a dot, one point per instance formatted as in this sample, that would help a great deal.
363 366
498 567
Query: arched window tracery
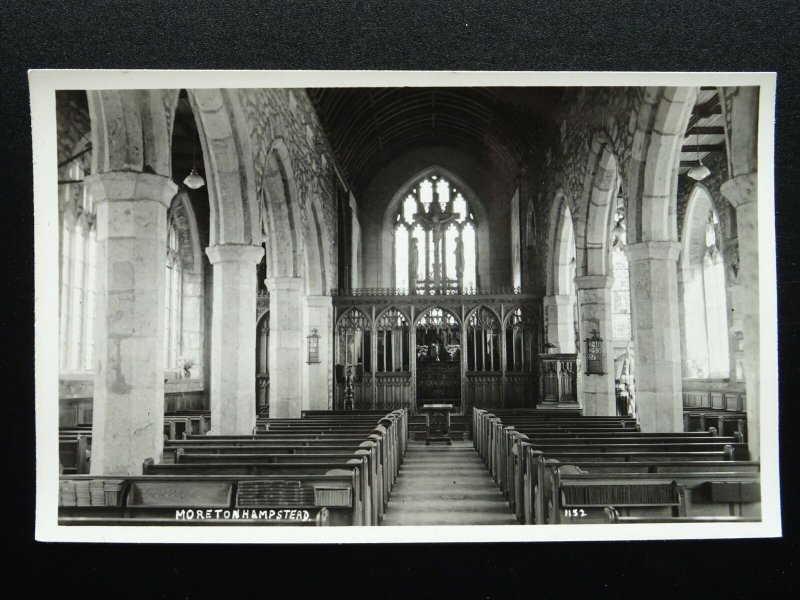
353 330
704 293
434 239
483 341
173 299
78 261
393 342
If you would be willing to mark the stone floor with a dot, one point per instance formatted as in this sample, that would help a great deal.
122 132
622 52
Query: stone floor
446 485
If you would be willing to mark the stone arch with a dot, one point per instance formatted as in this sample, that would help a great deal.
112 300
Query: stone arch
653 174
478 208
317 243
182 213
279 201
595 214
562 247
228 158
697 209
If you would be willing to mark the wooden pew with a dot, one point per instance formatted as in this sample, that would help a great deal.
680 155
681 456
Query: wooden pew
199 420
318 517
612 515
166 500
373 470
510 455
574 497
74 455
724 421
532 471
362 495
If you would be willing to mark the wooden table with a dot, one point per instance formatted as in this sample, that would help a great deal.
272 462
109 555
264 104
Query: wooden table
437 423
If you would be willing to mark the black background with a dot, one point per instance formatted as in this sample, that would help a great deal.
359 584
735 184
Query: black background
434 35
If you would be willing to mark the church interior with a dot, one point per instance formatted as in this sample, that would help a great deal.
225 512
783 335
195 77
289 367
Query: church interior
408 306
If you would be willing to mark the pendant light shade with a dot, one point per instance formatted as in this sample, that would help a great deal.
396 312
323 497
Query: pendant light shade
699 172
193 180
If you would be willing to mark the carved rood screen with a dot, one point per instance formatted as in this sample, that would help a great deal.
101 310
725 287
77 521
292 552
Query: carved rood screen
414 348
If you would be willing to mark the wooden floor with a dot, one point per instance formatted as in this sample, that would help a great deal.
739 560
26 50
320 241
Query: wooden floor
446 485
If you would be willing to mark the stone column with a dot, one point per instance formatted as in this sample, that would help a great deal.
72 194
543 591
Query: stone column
128 415
233 338
742 192
560 311
656 333
286 346
594 301
316 377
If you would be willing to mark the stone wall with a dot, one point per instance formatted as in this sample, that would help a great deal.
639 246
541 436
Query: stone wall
603 114
288 115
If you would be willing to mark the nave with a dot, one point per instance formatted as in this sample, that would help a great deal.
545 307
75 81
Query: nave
261 294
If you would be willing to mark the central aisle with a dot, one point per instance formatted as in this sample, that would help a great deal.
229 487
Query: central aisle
446 485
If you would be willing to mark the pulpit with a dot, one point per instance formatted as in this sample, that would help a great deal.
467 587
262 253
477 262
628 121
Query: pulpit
437 423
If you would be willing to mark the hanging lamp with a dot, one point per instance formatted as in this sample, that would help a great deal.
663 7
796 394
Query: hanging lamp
193 180
699 171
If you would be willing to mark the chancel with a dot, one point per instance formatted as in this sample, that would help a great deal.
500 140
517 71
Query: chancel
274 302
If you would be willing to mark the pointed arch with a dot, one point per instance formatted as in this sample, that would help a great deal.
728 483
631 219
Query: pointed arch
429 314
562 263
705 312
481 222
317 242
279 202
229 163
389 310
596 209
653 171
483 307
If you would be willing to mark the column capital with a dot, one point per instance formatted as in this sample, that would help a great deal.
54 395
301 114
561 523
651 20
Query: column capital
284 283
244 253
119 186
741 190
594 282
653 251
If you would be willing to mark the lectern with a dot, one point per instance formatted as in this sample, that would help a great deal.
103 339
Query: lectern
437 423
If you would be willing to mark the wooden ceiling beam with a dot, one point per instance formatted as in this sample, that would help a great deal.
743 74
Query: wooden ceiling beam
703 148
700 130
